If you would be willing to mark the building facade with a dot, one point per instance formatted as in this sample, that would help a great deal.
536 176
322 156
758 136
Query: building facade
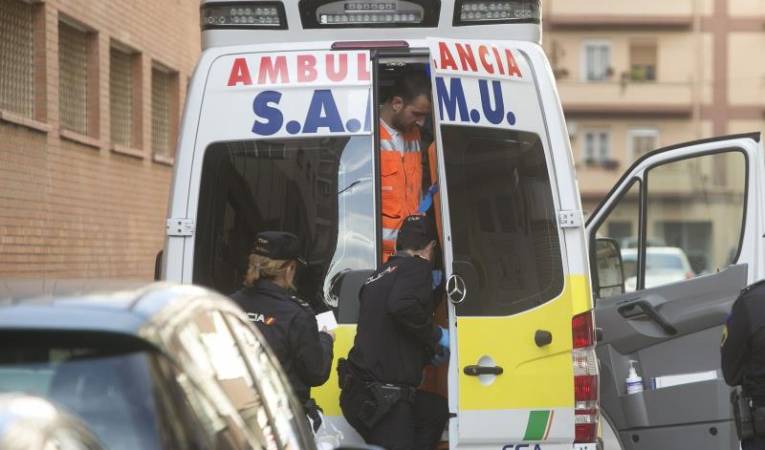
90 99
638 75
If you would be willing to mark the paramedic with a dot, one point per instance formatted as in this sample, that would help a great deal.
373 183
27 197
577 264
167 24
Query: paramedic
405 110
743 361
287 322
395 339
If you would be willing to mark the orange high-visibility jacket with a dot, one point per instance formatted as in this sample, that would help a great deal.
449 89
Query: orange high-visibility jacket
401 184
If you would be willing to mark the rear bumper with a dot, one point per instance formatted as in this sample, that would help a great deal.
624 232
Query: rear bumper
588 446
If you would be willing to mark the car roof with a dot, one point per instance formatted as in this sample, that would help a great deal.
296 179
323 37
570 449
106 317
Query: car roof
107 306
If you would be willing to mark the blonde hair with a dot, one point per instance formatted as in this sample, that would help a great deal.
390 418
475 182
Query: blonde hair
264 268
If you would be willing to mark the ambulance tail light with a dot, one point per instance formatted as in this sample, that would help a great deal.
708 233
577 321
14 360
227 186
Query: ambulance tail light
583 330
369 13
243 15
586 426
480 12
586 378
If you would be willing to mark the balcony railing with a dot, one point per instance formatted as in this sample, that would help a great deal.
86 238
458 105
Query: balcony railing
620 13
628 97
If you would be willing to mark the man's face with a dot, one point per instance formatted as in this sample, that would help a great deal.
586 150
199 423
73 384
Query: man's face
407 115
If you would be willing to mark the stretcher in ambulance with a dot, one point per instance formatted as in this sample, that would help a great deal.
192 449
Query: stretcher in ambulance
280 132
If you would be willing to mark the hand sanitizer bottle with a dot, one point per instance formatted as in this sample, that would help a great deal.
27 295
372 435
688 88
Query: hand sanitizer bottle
634 382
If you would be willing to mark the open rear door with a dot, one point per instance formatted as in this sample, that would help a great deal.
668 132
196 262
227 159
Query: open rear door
511 377
285 142
688 220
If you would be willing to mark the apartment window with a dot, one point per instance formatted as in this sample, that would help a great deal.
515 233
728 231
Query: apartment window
125 96
164 111
597 147
642 141
17 57
78 79
597 61
643 57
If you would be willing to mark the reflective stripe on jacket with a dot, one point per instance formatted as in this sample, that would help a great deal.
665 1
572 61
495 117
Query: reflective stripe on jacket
401 184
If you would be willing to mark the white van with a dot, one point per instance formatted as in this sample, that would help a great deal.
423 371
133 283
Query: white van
280 133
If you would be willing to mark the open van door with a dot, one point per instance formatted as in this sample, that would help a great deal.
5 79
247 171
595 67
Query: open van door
511 379
284 141
689 220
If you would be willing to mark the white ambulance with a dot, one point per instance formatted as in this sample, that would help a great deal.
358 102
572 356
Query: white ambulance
280 132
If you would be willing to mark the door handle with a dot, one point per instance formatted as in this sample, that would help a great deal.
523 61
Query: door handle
474 371
627 311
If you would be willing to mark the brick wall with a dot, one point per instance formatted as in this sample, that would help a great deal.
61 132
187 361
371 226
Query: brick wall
75 205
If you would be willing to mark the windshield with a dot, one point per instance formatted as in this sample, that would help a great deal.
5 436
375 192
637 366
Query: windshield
112 391
318 188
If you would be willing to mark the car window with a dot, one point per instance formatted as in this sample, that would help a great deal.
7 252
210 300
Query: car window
111 388
64 438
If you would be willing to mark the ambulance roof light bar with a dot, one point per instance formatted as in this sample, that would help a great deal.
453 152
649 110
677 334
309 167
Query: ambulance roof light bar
368 45
487 12
243 15
369 13
228 23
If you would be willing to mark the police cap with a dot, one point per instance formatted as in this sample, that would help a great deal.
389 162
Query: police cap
279 245
415 233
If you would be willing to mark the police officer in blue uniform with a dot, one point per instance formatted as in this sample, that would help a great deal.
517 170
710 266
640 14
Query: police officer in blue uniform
743 364
395 339
287 322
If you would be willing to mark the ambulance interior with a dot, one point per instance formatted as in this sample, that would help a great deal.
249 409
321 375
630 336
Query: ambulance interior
503 226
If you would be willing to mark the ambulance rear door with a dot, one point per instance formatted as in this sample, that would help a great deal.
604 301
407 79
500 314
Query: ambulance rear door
285 141
511 376
687 222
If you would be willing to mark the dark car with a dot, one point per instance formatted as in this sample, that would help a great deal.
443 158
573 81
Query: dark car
34 423
160 367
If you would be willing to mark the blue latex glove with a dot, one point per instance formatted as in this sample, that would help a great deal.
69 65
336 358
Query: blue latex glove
427 200
444 340
438 278
441 357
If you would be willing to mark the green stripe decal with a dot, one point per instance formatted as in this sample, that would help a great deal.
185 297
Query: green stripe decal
535 430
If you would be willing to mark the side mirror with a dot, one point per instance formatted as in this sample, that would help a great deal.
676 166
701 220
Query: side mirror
610 272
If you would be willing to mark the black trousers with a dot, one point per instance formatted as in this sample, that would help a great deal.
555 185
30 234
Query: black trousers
408 426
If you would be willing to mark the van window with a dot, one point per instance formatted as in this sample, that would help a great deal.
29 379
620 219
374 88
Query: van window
694 211
695 208
319 188
504 229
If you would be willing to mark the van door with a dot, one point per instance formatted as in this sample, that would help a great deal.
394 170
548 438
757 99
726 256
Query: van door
285 142
688 220
510 376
